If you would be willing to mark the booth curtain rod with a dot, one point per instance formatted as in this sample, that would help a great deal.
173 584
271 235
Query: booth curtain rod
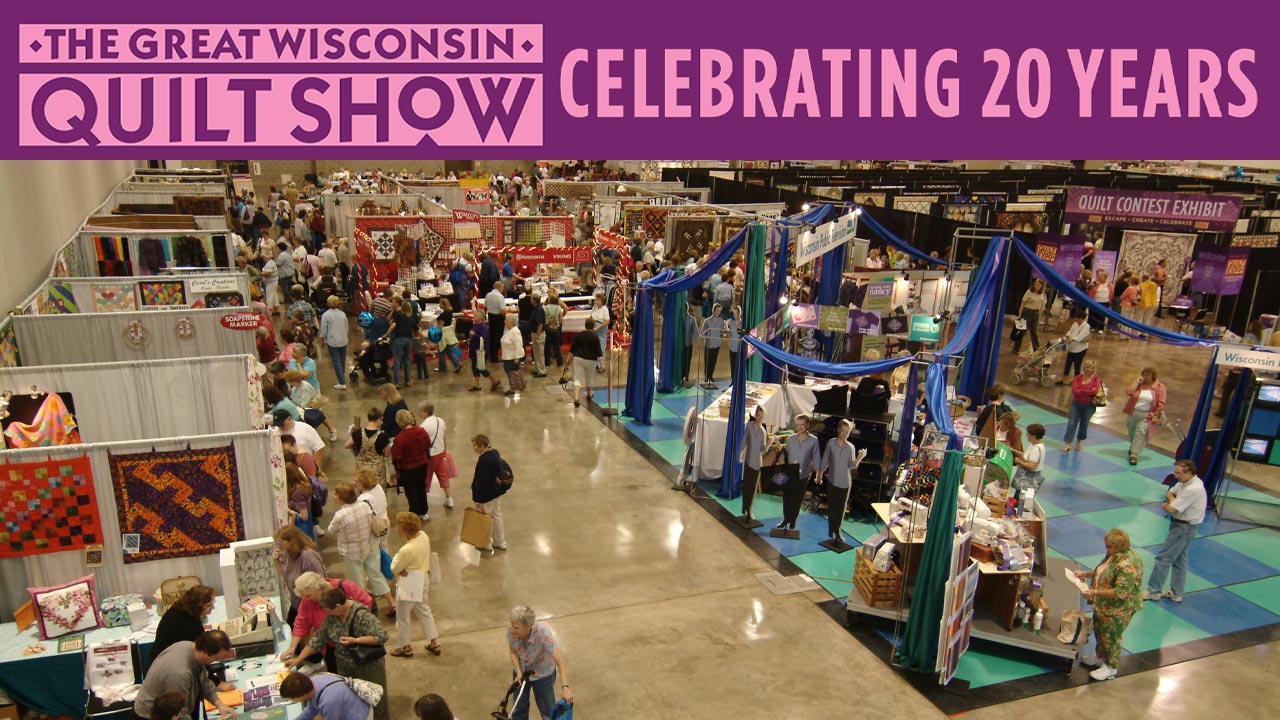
84 448
690 201
206 360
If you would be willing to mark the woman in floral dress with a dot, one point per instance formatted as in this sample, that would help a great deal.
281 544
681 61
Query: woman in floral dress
1116 595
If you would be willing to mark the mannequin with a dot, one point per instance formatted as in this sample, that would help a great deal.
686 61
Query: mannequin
839 461
801 449
713 332
754 442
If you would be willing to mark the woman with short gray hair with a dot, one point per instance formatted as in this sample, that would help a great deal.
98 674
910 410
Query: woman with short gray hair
534 651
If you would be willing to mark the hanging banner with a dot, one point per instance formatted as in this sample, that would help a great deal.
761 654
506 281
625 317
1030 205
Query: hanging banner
1263 241
874 347
1104 260
1233 275
833 318
466 225
804 315
479 196
1152 209
1063 252
879 297
814 243
1255 359
924 329
1210 269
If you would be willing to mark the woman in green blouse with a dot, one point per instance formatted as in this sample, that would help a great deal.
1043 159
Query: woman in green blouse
1116 595
348 624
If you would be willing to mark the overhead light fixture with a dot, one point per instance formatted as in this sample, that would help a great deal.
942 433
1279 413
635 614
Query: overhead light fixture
906 275
805 207
857 210
941 316
782 300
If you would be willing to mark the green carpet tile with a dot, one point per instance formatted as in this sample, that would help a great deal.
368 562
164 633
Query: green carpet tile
1153 628
1261 544
1264 593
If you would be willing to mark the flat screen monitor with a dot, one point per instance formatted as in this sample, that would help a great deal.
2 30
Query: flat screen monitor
1256 449
1269 394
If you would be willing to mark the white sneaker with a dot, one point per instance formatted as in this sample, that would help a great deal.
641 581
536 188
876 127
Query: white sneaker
319 531
1169 594
333 435
448 502
424 517
1148 595
1103 673
340 386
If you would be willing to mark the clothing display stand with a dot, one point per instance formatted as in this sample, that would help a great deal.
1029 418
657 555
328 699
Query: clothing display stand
749 490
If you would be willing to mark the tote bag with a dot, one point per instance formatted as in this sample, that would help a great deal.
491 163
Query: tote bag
476 527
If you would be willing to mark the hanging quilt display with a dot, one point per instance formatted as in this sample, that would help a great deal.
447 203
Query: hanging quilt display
113 256
8 346
691 235
113 297
182 503
1140 250
653 220
384 244
53 423
47 506
728 227
162 293
870 199
190 251
62 300
1028 222
220 299
152 256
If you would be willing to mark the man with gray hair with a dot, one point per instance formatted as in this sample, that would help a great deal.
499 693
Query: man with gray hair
183 668
435 427
535 656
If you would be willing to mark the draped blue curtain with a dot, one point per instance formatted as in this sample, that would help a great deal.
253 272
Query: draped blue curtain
754 305
1212 475
777 291
638 400
731 475
1075 294
820 367
982 292
1200 418
982 357
669 363
828 288
935 398
883 233
919 649
907 424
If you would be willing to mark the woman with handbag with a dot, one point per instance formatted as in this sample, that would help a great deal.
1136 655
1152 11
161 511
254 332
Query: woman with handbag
555 309
1087 395
477 342
411 565
440 463
359 641
295 554
585 354
310 587
512 354
352 526
1116 596
1146 403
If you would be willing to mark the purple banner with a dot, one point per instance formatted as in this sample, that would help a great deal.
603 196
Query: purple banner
1063 252
1151 209
1233 277
1104 260
1211 266
88 79
864 322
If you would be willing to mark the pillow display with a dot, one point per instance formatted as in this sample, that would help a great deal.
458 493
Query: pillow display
66 609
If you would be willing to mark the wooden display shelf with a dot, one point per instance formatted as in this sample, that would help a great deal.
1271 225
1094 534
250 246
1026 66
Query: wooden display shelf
879 589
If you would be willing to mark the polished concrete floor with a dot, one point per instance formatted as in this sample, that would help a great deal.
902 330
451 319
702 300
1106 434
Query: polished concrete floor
655 603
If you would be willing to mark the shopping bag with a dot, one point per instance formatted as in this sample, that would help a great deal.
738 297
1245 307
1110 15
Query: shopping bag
476 527
1074 627
517 380
448 467
386 564
433 572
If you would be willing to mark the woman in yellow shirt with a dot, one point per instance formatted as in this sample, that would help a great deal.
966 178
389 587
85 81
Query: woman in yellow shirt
410 566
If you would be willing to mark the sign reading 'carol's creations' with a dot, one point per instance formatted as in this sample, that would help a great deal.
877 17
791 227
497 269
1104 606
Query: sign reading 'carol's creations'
1152 209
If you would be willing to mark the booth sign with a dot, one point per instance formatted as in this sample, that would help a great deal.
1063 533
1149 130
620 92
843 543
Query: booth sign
211 284
241 321
1252 359
924 329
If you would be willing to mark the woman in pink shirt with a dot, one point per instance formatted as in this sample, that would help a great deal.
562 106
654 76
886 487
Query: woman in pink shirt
1084 387
310 586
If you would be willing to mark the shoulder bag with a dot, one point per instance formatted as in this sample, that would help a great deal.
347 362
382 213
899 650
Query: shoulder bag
363 654
1100 398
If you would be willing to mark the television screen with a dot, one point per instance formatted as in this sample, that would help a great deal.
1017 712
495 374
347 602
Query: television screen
1269 394
1255 449
1263 421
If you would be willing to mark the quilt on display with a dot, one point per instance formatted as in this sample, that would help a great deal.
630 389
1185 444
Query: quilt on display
692 235
47 507
8 345
114 297
162 293
654 221
182 503
62 300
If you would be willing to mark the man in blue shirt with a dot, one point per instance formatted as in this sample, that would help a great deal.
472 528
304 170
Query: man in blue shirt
325 695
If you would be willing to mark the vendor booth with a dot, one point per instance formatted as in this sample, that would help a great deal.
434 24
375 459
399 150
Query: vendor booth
133 336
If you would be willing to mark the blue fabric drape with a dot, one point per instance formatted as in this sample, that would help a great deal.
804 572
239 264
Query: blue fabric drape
828 290
935 398
919 649
982 291
753 294
638 400
1212 475
883 233
1075 294
777 291
906 428
1194 441
731 475
819 367
981 359
669 370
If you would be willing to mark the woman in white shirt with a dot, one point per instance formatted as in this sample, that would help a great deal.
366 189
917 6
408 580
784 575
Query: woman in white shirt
512 351
1077 339
371 492
600 313
1033 301
1028 473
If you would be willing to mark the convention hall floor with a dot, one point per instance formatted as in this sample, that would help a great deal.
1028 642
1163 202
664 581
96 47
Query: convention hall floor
655 600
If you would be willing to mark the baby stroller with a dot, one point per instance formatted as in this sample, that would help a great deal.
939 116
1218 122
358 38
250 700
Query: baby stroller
1035 364
374 360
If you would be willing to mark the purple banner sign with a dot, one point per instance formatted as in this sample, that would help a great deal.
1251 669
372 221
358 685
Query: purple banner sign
1104 260
864 322
1151 209
87 79
1233 276
1211 266
1063 252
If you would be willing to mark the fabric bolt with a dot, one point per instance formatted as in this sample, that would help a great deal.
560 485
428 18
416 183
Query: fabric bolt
47 507
180 503
52 425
